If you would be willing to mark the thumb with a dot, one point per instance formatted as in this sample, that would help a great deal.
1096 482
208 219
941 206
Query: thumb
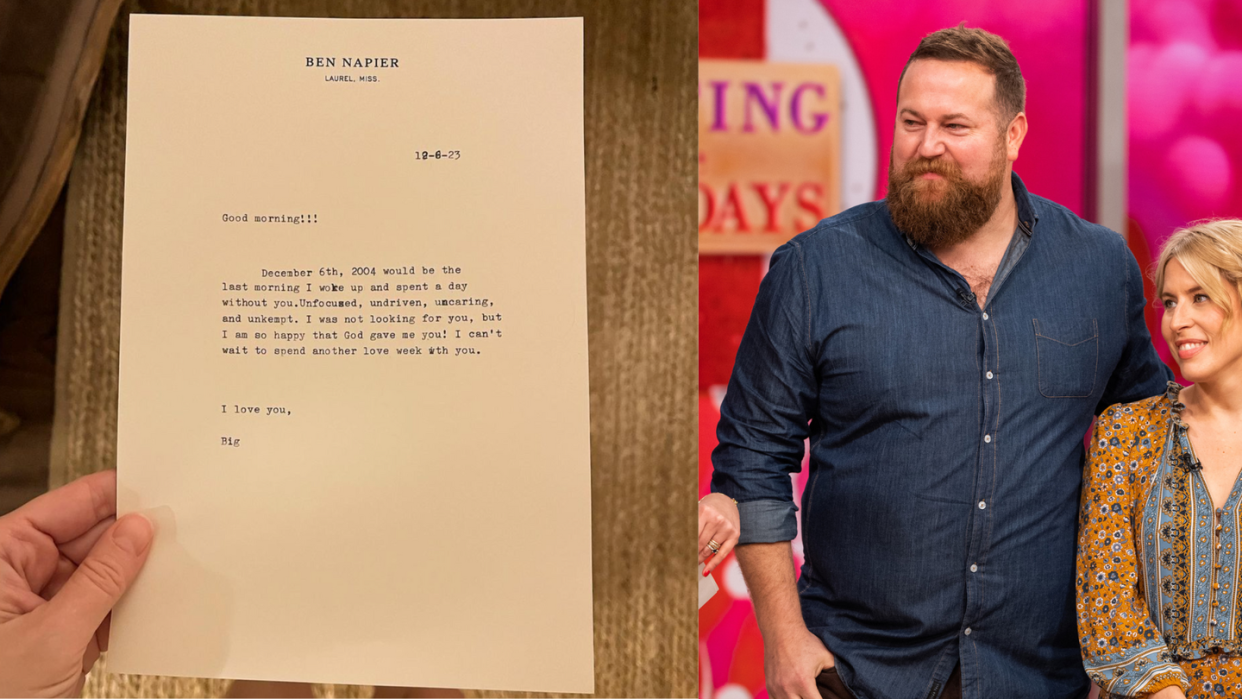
103 576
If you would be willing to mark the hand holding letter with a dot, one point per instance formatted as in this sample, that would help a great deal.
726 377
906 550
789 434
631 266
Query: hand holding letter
719 525
64 562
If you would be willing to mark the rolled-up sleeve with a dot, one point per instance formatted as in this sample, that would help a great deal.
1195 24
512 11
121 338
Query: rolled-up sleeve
769 401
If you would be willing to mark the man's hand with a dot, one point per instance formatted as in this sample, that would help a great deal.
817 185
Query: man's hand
64 562
792 656
791 665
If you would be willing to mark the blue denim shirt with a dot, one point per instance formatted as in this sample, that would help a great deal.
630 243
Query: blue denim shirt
939 516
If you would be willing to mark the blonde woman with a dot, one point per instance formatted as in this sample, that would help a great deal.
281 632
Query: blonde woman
1159 554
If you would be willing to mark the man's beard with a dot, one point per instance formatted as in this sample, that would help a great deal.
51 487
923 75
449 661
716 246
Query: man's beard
959 208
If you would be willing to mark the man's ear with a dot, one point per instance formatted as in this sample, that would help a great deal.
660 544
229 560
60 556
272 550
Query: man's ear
1014 135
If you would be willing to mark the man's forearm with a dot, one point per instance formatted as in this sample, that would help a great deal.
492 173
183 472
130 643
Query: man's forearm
769 573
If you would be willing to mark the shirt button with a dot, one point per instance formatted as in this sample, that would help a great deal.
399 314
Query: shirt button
989 374
987 439
983 505
974 568
967 632
985 316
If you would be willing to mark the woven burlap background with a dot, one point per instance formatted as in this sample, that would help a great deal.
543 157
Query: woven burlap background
641 144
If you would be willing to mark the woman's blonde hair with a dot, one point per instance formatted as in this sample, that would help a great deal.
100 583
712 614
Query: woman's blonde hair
1211 252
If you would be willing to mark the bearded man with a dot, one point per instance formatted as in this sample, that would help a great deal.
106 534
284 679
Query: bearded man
944 351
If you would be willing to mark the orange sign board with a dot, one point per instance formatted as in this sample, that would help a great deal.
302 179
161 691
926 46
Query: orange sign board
769 153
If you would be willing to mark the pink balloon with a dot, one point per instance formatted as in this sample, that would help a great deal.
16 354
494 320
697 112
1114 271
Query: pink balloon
1200 174
1159 92
1168 21
1218 96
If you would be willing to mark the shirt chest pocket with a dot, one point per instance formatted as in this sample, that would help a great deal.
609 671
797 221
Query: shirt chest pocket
1067 351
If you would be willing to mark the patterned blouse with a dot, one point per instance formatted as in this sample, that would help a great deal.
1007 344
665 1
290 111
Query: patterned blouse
1158 566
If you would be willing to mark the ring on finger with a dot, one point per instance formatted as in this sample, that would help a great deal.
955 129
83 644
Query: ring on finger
714 546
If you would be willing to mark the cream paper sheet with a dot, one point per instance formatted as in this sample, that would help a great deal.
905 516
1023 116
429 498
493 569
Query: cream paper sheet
707 587
395 492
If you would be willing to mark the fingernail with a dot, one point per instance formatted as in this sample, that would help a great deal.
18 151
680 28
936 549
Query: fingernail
706 573
133 534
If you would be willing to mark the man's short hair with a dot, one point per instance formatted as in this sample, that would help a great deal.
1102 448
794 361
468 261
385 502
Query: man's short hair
984 49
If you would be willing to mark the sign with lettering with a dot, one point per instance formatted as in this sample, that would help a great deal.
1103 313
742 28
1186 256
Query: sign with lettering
769 153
